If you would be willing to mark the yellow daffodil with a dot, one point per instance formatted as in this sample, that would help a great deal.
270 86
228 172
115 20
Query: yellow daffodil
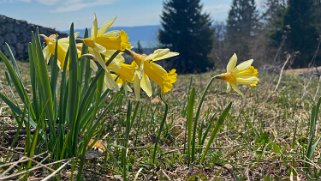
122 75
102 42
112 40
122 82
126 72
62 49
63 45
114 65
147 70
117 70
244 74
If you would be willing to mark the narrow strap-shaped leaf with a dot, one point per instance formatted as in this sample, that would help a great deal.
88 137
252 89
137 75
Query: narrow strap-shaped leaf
189 115
15 80
33 80
45 113
312 129
54 73
13 59
84 62
216 129
12 105
42 76
73 89
160 128
89 96
134 116
207 129
92 130
63 92
198 112
87 67
8 79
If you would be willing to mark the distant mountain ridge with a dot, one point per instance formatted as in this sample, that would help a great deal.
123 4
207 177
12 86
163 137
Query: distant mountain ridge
147 35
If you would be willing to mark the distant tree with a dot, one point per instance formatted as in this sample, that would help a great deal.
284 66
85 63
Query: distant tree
275 10
272 35
187 30
273 17
218 53
302 18
317 14
140 49
242 27
303 35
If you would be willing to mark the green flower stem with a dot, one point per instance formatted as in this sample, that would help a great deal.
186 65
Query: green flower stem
198 114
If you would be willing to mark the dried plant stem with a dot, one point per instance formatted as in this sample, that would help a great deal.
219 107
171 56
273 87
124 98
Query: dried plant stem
26 171
281 72
305 87
56 171
318 89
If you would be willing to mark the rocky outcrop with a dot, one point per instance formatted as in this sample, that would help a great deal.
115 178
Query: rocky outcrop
17 34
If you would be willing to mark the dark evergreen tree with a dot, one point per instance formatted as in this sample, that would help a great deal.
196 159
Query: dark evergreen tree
140 49
302 20
187 30
242 27
272 31
273 16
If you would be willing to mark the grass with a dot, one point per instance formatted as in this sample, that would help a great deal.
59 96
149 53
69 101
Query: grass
264 136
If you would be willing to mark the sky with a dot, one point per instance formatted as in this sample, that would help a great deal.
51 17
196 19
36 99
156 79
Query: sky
59 14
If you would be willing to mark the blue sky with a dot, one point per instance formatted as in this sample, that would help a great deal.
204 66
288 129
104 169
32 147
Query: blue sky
60 13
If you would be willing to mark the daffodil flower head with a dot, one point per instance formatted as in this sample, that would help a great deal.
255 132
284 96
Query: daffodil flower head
113 66
148 69
244 74
62 48
126 72
101 40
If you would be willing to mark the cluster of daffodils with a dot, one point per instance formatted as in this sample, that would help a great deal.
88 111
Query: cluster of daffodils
106 49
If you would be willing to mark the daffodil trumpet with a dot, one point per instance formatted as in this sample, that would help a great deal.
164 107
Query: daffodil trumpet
148 70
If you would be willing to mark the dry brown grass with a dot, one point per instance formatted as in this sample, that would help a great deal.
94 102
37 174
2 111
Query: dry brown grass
265 135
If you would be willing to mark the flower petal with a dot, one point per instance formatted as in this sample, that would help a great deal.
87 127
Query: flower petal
234 86
146 85
106 26
99 48
93 65
100 60
165 56
94 28
232 63
46 54
127 88
161 54
244 65
247 81
110 82
228 89
137 86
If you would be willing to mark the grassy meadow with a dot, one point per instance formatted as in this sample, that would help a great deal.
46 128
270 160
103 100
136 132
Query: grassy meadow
265 135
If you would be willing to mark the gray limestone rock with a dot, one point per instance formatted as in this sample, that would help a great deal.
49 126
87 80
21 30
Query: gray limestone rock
17 33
